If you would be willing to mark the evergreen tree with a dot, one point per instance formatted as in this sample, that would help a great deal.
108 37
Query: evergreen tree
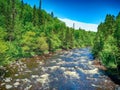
52 14
22 9
34 16
40 4
117 37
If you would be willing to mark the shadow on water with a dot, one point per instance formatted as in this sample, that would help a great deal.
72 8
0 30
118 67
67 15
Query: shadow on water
113 75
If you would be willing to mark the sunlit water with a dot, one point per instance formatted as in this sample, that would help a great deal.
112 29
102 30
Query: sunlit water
69 70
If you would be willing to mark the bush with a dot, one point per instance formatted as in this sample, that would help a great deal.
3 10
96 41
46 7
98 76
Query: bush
3 52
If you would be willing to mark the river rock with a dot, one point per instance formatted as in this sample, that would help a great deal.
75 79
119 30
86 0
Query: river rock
72 74
2 84
94 71
8 86
27 88
8 80
16 84
17 80
43 78
28 71
40 63
26 80
54 67
90 62
34 76
63 69
61 63
16 75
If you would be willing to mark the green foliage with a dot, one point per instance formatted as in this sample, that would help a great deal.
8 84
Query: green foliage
26 31
41 44
55 42
28 42
107 42
3 47
3 51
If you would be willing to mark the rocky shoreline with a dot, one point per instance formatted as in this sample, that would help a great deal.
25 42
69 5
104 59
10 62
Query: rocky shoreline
114 78
39 71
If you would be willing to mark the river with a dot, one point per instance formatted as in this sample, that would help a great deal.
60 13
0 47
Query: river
68 70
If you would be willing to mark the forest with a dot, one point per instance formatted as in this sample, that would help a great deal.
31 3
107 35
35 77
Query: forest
27 31
107 44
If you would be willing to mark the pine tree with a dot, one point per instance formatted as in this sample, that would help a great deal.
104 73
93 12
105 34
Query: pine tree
117 31
13 14
22 10
41 19
52 14
34 16
8 20
40 4
117 37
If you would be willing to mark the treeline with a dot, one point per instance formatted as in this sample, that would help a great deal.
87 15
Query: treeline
107 43
27 31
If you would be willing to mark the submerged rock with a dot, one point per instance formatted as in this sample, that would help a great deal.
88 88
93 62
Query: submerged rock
43 78
72 74
34 76
54 67
94 71
63 69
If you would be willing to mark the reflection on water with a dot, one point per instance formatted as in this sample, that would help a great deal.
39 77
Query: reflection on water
69 70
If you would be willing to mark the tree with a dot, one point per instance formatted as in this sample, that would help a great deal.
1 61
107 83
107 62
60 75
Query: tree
34 16
117 38
22 9
13 17
40 4
52 14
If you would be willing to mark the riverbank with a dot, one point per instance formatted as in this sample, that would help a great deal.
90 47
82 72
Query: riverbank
64 70
112 73
21 64
98 65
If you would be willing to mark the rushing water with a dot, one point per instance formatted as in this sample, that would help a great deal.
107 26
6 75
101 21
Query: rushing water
69 70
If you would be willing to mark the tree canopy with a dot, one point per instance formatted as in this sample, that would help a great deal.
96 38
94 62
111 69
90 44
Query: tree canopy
27 31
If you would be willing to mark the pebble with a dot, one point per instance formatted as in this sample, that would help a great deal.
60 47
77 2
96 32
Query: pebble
106 81
8 86
16 75
26 80
8 79
17 80
28 71
27 88
16 84
2 84
40 63
35 76
43 78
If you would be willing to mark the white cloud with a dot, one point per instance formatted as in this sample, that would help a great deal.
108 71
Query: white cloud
86 26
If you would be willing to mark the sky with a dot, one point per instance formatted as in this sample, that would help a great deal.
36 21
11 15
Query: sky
86 11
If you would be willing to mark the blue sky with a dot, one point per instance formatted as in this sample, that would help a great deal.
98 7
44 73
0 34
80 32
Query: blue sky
88 11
